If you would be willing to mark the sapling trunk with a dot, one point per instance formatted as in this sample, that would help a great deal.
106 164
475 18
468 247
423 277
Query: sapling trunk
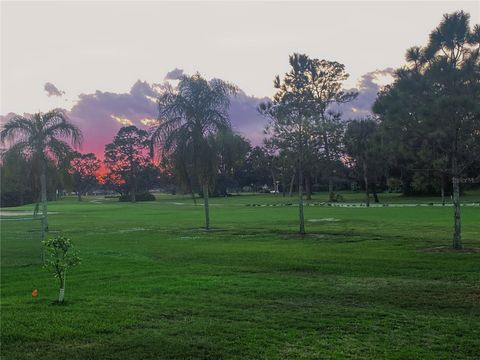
61 295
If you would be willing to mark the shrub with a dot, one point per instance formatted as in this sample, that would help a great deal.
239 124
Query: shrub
146 196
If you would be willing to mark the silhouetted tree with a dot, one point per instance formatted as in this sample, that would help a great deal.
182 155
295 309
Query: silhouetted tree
437 100
84 168
40 138
125 159
17 180
189 115
363 146
232 150
291 123
323 89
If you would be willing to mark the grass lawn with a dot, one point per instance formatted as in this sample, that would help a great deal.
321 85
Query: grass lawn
153 285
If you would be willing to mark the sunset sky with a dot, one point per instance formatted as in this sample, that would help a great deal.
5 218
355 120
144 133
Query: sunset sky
100 60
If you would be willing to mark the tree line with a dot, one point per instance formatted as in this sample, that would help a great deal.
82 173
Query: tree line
423 136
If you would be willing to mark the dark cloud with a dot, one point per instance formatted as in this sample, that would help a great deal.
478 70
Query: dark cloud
101 114
52 90
175 74
367 89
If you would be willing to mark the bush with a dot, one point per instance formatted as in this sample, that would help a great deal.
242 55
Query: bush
146 196
112 196
16 198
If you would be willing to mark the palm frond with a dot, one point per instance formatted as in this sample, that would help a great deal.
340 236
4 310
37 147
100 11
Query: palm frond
56 123
59 149
16 127
21 148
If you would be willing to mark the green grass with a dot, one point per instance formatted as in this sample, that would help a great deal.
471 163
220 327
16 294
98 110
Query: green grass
152 284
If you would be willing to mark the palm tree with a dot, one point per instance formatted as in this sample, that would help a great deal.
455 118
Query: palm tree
39 138
189 116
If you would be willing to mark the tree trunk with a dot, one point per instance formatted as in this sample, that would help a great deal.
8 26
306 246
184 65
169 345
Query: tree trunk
205 206
331 195
193 198
43 188
274 181
79 196
133 197
442 190
365 179
374 191
300 202
21 195
308 187
457 234
291 185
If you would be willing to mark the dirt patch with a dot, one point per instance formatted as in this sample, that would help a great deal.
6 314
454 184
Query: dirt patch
447 249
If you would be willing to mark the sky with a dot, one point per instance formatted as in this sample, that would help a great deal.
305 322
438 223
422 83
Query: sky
100 60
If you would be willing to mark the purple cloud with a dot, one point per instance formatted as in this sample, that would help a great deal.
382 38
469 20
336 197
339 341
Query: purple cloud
52 90
100 115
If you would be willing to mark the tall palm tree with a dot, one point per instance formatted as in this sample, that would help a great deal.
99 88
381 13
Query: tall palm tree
40 138
188 117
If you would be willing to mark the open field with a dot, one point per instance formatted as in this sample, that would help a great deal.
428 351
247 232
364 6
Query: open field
152 284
